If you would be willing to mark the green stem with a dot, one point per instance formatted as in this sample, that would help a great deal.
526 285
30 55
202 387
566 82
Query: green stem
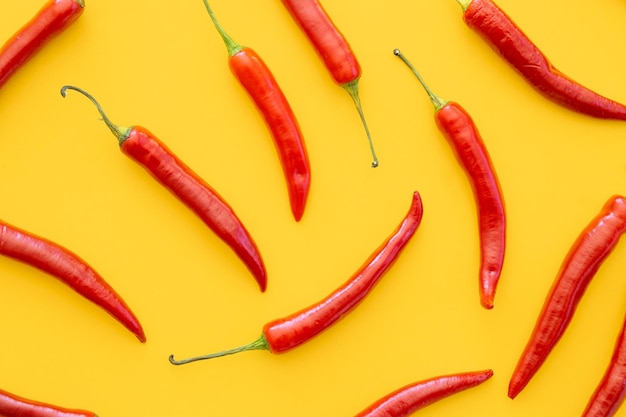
81 3
121 133
353 89
438 102
232 46
464 3
259 344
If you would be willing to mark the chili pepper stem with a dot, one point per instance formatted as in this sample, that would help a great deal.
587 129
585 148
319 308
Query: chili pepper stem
437 101
121 133
259 344
464 3
353 89
81 3
232 46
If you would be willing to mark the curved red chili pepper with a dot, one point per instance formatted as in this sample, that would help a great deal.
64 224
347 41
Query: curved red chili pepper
12 405
69 268
584 258
508 40
460 131
610 392
53 18
289 332
257 79
143 147
333 49
406 400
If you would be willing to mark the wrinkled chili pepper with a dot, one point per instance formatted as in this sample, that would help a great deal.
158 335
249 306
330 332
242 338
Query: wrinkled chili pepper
54 17
584 258
284 334
461 132
12 405
65 265
610 392
333 49
508 40
408 399
146 149
257 79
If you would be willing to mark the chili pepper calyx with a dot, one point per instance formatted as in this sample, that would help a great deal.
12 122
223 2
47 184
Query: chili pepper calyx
353 89
259 344
232 46
121 133
437 101
81 3
464 3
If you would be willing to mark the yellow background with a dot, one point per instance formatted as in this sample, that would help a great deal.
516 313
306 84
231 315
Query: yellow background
162 65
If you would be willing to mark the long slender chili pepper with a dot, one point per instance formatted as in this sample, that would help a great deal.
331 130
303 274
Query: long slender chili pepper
53 18
333 49
12 405
610 392
146 149
70 269
460 131
508 40
584 258
257 79
283 334
408 399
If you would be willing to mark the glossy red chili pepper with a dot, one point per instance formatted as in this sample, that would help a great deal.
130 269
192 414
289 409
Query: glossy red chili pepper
460 131
584 258
406 400
146 149
508 40
257 79
12 405
70 269
289 332
333 49
53 18
610 392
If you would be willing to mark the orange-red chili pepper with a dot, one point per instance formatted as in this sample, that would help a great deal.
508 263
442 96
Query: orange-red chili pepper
408 399
257 79
584 258
142 146
610 392
12 405
284 334
508 40
54 17
333 49
461 132
65 265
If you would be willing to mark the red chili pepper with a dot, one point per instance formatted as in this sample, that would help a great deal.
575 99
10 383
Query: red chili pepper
54 17
289 332
259 82
413 397
13 406
142 146
69 268
333 49
508 40
584 258
610 392
460 131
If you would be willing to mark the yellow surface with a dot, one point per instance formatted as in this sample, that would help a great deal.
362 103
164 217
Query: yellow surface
163 66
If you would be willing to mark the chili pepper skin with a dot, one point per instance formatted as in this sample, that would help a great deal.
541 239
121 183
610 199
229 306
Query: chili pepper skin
584 258
12 405
610 392
408 399
459 129
334 50
286 333
259 82
508 40
65 265
54 17
146 149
